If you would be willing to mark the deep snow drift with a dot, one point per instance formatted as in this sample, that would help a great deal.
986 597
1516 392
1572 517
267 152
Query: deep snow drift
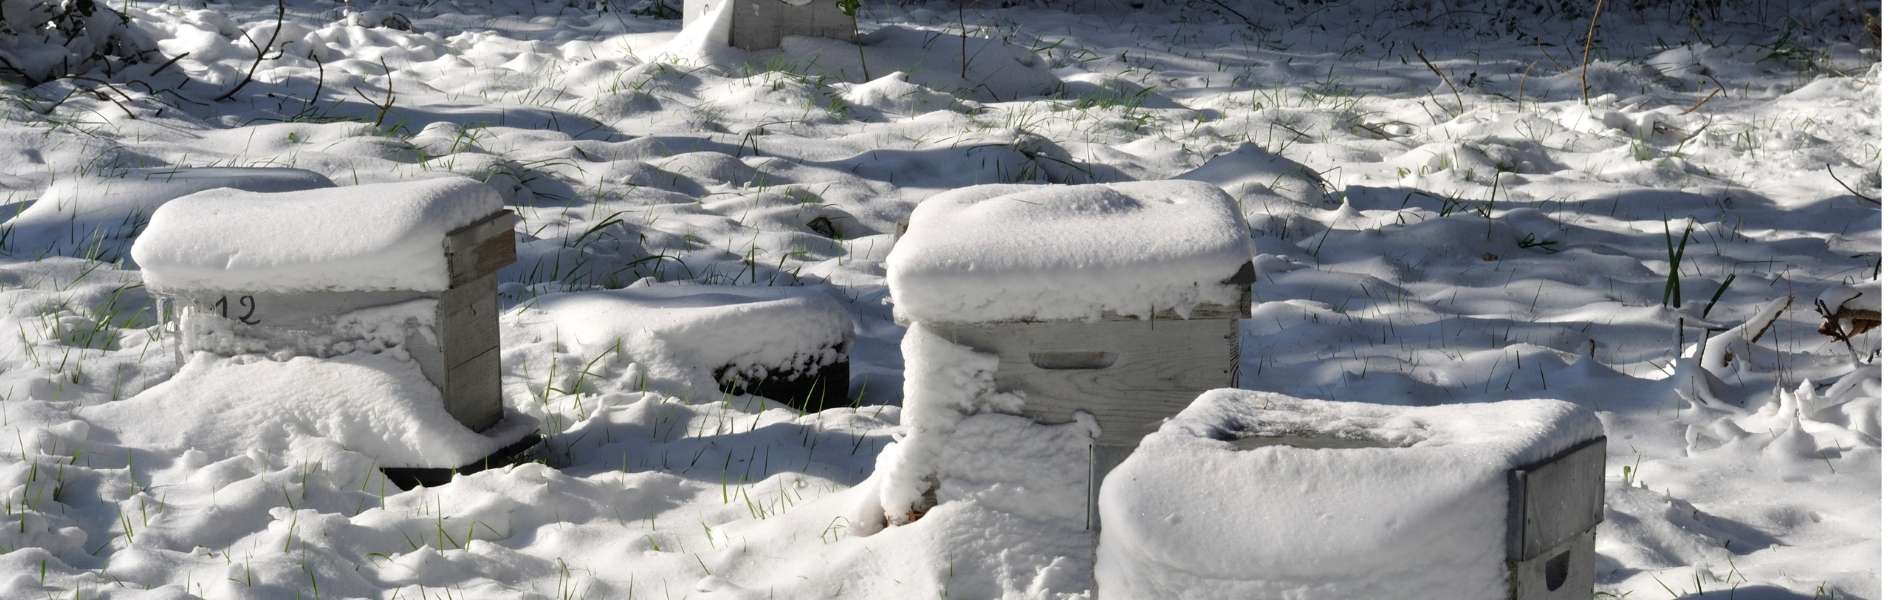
1468 231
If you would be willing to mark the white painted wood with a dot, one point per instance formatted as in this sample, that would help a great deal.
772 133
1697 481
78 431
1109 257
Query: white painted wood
762 24
457 350
1159 367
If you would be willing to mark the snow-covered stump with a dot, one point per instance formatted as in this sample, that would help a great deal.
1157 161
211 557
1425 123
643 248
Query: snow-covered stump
406 270
1111 304
762 24
1261 495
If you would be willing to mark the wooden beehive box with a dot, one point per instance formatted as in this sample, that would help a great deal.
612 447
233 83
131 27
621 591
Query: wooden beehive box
453 335
1129 373
761 24
1555 506
1425 494
1114 303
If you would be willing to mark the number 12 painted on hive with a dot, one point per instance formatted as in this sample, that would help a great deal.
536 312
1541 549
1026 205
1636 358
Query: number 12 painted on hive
246 302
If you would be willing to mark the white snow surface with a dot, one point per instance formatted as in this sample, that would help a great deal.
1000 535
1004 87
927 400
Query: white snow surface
301 410
1418 514
1519 255
385 236
1019 252
100 216
1256 177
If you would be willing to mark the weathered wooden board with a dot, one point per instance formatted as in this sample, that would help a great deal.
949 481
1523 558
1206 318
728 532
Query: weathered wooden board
1555 500
522 451
819 18
467 320
762 24
1130 375
473 395
481 248
1564 572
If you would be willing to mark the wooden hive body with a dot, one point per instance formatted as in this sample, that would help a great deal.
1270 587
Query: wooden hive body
761 24
1127 373
453 335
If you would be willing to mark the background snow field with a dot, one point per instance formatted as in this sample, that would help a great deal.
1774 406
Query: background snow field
1436 219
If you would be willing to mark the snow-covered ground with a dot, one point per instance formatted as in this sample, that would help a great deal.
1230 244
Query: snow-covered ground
1464 229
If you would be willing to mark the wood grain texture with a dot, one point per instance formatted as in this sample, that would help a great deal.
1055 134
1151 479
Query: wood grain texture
473 395
467 320
1555 500
1241 308
762 24
1160 367
1565 572
481 248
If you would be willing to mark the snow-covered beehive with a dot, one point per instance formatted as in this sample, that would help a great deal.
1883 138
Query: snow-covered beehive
1261 495
761 24
790 344
405 268
1114 301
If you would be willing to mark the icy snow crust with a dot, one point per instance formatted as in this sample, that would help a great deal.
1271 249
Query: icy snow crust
1023 252
1420 513
1526 261
385 236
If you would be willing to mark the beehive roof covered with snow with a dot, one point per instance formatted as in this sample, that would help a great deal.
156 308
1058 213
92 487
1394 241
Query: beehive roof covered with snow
384 236
1012 252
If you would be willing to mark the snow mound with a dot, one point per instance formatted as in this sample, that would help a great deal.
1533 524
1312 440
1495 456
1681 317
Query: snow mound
385 236
995 70
1322 522
100 216
894 93
1010 517
299 410
1012 252
753 330
1864 296
1249 172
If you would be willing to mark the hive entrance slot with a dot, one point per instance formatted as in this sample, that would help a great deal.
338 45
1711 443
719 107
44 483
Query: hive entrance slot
1556 570
1072 361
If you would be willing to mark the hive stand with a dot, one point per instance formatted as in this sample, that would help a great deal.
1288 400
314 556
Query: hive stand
761 24
458 349
1128 374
